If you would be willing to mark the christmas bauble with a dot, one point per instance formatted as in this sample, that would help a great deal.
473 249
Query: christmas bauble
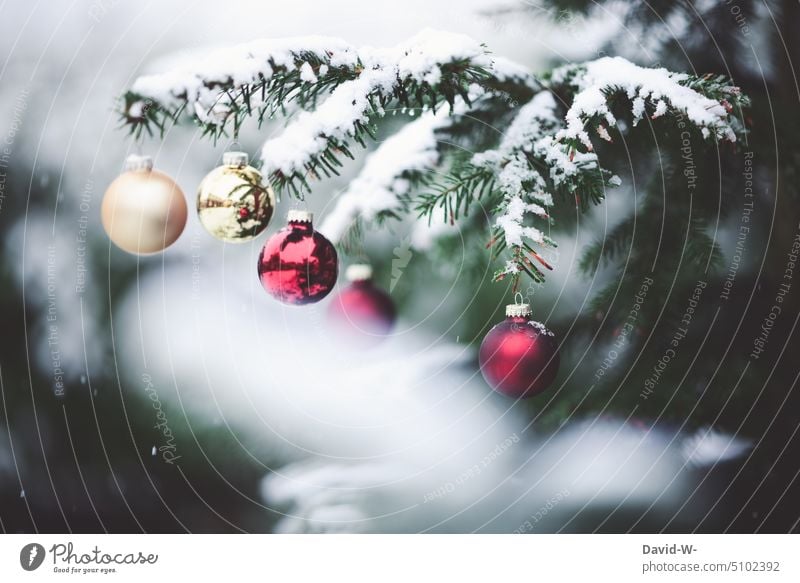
233 203
143 210
519 357
362 312
298 265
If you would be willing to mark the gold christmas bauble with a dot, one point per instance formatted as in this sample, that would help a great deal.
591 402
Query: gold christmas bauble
143 210
233 203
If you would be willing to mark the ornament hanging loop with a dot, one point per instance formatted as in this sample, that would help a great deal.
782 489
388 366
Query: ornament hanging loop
519 309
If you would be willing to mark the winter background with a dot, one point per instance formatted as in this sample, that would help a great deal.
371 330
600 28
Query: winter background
170 394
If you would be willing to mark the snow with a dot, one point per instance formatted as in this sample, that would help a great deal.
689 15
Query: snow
523 187
200 84
510 268
564 163
420 59
381 182
197 83
664 89
348 447
534 119
537 132
511 223
708 446
540 328
334 119
307 73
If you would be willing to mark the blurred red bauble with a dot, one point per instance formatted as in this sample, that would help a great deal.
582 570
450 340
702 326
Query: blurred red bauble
297 264
362 312
519 357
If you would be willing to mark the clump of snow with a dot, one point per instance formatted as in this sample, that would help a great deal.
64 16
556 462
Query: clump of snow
709 446
511 222
381 182
664 89
523 187
308 135
307 73
535 118
540 328
564 162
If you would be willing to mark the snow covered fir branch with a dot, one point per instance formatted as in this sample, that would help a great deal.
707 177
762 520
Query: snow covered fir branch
443 164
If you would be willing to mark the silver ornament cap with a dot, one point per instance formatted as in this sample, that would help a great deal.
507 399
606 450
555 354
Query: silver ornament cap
518 310
235 159
358 272
298 216
136 162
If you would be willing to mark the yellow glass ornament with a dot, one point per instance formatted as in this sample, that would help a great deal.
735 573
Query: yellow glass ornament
233 202
143 211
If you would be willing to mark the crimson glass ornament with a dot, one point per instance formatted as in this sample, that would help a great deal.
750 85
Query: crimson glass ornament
362 312
519 357
297 264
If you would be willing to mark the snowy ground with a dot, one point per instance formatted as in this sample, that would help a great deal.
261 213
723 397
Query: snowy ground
405 437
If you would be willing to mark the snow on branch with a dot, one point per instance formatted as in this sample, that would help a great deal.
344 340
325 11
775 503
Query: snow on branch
256 78
387 175
521 184
529 165
541 153
657 91
431 68
262 78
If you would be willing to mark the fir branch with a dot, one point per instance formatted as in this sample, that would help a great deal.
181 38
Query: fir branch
259 79
608 248
455 193
336 94
404 77
707 103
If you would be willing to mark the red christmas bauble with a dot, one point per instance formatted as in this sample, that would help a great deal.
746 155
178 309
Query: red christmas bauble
519 357
362 312
297 264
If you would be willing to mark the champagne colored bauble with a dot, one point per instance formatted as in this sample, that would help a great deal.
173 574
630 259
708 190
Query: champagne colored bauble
519 357
362 313
143 210
233 203
298 265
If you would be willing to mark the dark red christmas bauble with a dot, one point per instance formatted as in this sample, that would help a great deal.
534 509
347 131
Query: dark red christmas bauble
362 312
519 357
297 264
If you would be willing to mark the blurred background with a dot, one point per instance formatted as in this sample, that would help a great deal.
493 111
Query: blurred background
169 393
